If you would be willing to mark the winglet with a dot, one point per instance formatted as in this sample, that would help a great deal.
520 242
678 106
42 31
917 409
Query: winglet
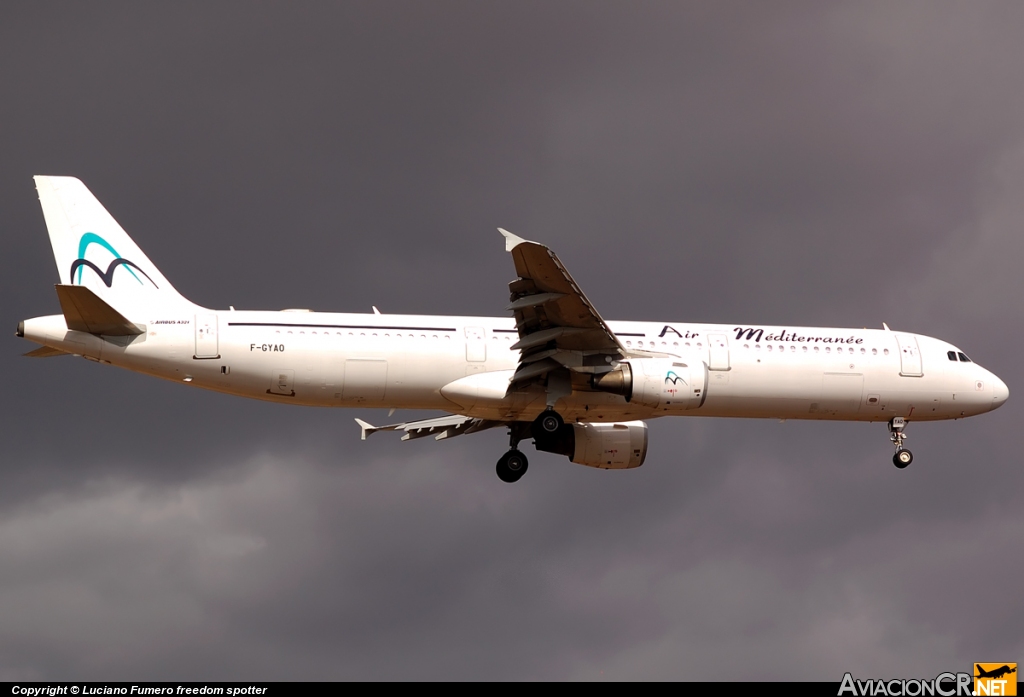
367 429
886 327
511 241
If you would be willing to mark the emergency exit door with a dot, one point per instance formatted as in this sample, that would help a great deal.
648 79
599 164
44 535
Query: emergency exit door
476 344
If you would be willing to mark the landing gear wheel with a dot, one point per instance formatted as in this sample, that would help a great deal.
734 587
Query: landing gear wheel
550 421
512 466
902 458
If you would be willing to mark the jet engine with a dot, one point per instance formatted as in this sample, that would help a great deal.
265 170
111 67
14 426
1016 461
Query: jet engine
667 384
615 446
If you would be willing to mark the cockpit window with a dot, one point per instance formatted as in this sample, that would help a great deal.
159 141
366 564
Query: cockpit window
963 357
951 355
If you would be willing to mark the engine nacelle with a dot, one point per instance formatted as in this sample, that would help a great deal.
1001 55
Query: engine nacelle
614 446
660 383
610 446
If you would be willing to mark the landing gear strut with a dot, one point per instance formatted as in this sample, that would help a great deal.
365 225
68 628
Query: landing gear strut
513 464
903 457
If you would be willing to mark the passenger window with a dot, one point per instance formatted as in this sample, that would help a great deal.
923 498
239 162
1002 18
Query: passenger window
885 351
963 357
951 355
874 352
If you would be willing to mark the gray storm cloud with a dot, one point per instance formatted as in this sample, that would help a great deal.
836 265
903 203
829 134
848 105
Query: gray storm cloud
790 163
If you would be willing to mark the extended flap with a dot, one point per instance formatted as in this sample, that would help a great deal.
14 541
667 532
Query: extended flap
84 311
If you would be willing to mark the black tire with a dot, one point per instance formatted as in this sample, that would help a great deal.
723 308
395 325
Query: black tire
512 466
550 422
902 458
516 462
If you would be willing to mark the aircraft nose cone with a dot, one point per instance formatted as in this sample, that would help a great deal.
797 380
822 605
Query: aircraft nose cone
1000 392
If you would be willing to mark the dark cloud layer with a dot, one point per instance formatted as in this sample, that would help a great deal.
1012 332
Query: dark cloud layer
792 163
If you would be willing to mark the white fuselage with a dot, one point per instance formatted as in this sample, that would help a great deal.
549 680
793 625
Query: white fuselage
462 365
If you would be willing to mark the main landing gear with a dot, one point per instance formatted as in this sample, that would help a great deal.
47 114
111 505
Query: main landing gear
903 457
548 423
513 464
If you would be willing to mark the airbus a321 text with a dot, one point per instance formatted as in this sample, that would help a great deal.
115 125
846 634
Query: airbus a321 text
555 372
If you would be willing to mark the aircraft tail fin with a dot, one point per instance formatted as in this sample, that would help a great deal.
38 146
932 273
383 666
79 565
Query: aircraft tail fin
93 251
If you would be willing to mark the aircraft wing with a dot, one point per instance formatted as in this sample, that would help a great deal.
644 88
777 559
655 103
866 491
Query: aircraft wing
441 427
558 326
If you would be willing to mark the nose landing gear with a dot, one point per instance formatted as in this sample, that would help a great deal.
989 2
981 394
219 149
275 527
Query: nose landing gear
903 457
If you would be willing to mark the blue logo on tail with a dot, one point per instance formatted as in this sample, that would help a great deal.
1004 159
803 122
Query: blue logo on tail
108 276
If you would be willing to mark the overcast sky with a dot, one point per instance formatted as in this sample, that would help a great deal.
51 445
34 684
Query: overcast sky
837 164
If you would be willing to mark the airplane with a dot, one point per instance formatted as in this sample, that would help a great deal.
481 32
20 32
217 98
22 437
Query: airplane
555 371
994 673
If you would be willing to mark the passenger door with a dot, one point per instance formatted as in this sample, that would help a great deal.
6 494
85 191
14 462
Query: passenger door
718 344
206 337
910 356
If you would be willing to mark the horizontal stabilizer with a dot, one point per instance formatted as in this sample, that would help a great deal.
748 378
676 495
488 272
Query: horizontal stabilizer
441 427
45 352
84 311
